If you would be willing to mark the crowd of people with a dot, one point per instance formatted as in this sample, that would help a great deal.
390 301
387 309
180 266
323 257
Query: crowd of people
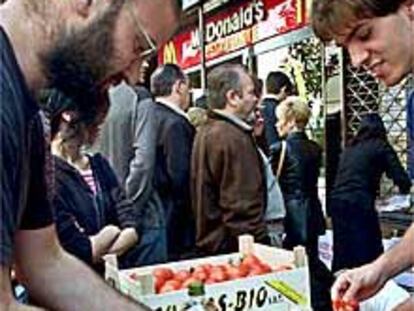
110 167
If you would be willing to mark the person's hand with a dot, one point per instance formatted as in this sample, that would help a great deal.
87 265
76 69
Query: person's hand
102 241
358 284
126 239
110 231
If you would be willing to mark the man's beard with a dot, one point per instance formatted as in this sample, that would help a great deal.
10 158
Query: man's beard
80 60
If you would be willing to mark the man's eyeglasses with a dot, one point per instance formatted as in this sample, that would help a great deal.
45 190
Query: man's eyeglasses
151 47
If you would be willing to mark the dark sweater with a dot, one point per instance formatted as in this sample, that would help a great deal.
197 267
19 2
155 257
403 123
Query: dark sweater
79 213
361 167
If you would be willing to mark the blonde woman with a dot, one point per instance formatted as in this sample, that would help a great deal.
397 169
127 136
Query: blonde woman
298 181
293 116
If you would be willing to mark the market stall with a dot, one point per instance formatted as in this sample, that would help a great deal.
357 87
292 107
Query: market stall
258 277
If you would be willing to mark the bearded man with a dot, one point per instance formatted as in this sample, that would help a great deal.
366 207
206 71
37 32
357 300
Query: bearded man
79 47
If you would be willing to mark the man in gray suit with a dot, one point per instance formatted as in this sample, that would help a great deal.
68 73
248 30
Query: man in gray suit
128 141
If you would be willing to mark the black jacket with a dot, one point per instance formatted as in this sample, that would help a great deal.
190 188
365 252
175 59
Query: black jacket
174 142
268 110
309 158
289 179
361 167
79 213
290 184
356 228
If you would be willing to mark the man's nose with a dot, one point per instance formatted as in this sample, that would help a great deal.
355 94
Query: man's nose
359 54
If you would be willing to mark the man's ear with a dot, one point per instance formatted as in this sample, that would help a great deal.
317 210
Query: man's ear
176 88
83 7
232 98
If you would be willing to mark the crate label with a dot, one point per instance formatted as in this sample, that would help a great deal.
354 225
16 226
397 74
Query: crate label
288 292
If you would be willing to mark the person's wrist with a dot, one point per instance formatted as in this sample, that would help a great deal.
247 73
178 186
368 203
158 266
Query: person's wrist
381 269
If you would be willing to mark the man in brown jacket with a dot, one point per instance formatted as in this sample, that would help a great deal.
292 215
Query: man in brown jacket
228 182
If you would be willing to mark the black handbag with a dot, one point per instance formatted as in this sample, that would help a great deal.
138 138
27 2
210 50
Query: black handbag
297 221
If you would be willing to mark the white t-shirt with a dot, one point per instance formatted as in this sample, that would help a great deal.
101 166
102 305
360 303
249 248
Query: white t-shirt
389 297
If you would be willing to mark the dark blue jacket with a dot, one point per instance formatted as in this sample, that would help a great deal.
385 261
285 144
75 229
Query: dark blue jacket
79 213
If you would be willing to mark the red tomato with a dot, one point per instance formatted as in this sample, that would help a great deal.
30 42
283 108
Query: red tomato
170 285
200 275
336 305
251 260
256 270
340 305
163 273
199 269
243 270
266 268
182 275
207 267
188 282
158 283
218 274
219 267
233 273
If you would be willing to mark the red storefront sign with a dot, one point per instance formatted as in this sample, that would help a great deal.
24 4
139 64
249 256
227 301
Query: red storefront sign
234 29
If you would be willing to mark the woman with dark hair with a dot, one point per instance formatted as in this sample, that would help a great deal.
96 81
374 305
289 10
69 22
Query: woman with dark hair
356 229
93 217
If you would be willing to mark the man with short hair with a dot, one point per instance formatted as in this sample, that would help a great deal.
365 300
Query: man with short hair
174 142
278 87
378 35
228 179
78 47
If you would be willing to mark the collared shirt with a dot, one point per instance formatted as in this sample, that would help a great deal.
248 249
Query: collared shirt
240 122
171 106
271 96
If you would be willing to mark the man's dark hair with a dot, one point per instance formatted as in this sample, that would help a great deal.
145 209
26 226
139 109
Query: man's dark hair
221 80
163 79
330 18
258 86
371 127
201 102
276 80
55 103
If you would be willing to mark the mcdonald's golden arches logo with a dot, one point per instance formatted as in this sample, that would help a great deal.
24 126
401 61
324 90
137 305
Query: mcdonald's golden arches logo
170 53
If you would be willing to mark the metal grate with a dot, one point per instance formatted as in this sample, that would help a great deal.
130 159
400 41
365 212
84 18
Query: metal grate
364 94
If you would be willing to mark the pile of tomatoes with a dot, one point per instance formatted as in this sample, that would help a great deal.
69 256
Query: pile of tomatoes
166 280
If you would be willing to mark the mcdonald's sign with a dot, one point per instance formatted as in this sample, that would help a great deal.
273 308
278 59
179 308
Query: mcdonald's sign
234 28
170 53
